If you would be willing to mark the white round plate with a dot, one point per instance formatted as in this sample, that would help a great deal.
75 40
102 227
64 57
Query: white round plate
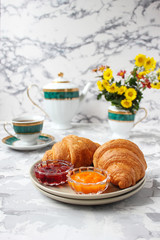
92 201
14 143
66 192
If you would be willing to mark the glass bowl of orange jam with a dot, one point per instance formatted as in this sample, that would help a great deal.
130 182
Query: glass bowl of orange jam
88 180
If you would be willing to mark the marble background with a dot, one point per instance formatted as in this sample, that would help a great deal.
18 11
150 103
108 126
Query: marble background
41 38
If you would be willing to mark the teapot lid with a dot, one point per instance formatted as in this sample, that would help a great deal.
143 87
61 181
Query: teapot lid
60 83
60 79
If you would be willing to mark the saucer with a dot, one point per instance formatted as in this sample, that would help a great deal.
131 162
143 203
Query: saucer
14 143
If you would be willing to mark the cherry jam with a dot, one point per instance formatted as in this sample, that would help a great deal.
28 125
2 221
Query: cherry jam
52 172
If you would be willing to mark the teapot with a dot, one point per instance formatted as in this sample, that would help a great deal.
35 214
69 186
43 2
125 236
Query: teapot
61 100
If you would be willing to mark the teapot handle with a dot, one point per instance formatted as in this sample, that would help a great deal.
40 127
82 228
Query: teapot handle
145 110
28 94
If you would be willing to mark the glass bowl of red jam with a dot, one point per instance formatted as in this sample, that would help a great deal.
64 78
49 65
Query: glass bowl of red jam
52 172
88 180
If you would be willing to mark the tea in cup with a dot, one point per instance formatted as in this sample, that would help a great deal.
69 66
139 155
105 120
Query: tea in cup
27 128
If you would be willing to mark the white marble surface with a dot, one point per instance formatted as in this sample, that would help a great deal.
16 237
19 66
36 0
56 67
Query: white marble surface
41 38
26 214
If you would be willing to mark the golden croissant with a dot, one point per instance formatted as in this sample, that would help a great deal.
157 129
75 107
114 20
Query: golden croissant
123 160
77 150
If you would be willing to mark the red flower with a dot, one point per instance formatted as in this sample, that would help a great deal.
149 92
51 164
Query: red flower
101 68
146 83
121 73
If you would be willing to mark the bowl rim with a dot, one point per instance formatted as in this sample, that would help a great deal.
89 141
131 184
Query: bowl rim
53 161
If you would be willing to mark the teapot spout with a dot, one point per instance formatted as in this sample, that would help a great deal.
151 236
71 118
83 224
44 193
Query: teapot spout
84 91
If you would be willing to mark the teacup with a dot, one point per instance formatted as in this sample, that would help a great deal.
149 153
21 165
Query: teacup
121 121
27 128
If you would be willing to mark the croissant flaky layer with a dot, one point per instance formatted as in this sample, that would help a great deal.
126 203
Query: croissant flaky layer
77 150
123 160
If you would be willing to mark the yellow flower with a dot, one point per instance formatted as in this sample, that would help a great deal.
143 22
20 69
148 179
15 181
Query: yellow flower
158 74
131 94
126 103
141 74
108 74
105 83
140 60
154 65
155 85
100 85
150 63
158 85
121 90
112 88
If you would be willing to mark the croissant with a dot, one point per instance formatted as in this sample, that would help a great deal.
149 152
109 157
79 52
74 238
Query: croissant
123 160
77 150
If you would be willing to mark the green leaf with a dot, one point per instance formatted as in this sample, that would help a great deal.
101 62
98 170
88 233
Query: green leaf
119 83
99 96
132 82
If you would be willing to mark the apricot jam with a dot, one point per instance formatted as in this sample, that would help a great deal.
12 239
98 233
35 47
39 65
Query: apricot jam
52 172
88 180
88 177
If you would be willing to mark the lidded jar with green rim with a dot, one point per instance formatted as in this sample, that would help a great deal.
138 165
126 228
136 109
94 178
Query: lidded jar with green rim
62 99
60 89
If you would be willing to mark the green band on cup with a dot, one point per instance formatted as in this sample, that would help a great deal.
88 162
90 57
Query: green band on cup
28 129
121 117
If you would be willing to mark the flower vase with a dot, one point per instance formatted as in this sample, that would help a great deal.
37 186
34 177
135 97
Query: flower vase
122 121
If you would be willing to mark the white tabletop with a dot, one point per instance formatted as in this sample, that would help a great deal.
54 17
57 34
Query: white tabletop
25 213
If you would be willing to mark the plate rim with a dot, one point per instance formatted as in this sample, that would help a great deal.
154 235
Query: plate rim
33 147
90 202
52 190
